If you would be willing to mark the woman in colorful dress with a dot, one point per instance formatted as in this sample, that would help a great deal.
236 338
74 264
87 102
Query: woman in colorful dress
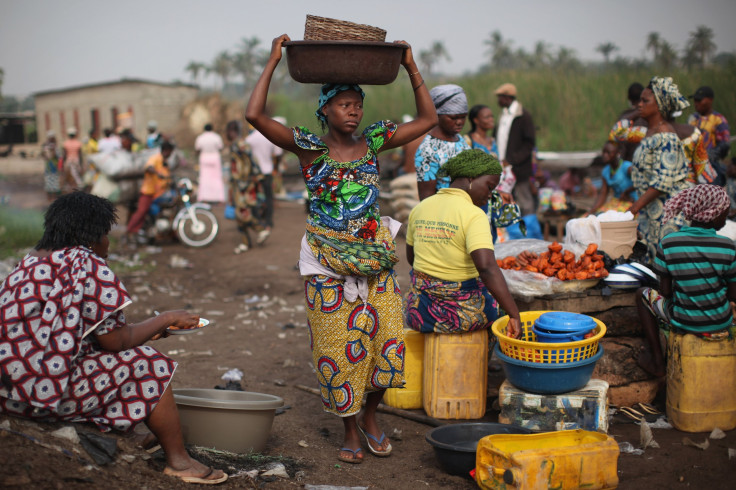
501 209
481 123
246 188
456 284
660 168
67 353
354 305
443 141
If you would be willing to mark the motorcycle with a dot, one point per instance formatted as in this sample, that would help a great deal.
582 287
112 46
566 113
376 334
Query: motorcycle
176 214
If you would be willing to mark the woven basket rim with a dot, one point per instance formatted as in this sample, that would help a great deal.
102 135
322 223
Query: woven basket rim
327 28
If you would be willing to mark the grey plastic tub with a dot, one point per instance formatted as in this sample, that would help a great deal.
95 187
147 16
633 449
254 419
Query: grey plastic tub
235 421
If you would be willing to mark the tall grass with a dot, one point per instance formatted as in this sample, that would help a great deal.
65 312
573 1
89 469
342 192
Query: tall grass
573 110
19 229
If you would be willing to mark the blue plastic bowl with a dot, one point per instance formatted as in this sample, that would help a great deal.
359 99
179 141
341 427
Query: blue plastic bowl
564 322
555 338
548 379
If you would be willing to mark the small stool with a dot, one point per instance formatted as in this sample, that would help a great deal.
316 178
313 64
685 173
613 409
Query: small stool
455 375
700 378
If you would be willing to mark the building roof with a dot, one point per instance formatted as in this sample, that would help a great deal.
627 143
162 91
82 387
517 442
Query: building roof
111 83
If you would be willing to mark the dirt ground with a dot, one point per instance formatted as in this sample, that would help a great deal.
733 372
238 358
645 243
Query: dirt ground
255 303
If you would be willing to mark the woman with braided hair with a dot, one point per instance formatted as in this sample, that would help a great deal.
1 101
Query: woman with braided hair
456 285
353 302
697 275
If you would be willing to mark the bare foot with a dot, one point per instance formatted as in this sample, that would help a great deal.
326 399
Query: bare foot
645 361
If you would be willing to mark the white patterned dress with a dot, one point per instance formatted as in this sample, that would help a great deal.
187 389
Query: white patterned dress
51 365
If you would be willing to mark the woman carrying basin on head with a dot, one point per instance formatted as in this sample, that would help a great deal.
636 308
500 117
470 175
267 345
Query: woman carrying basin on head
354 305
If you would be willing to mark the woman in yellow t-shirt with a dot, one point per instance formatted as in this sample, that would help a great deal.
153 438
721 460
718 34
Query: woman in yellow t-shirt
456 285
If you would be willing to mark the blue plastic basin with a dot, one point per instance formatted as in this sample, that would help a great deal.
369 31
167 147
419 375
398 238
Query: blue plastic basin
548 379
564 322
554 338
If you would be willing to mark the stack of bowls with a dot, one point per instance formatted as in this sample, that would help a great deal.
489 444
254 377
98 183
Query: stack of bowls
630 276
556 353
562 326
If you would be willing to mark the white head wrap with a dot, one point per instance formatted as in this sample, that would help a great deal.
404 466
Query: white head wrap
449 99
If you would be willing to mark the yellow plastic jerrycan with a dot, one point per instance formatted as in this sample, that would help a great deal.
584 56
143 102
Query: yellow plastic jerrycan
455 374
410 396
569 459
701 375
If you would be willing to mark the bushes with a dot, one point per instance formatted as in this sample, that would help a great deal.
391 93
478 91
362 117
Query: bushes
573 110
19 229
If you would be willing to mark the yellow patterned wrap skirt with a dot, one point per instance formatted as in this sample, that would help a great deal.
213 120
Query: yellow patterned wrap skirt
357 347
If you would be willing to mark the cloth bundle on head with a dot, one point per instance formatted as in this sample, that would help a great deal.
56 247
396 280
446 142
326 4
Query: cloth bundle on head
667 95
471 164
328 91
449 99
702 203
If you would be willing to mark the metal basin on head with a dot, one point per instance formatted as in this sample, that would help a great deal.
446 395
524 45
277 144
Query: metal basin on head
348 62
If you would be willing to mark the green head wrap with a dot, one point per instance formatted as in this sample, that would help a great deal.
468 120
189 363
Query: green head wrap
471 164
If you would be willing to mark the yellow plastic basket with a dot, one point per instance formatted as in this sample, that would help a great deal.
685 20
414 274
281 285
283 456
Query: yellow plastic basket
528 349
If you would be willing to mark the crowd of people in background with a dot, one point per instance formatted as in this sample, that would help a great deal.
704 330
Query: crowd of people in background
242 175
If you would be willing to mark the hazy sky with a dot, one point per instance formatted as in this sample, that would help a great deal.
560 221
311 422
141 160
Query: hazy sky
50 44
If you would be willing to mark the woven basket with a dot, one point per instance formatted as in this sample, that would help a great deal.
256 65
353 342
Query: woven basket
528 349
326 29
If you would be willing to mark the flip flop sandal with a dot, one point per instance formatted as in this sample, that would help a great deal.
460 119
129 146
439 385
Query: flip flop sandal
202 480
378 441
355 459
631 413
650 409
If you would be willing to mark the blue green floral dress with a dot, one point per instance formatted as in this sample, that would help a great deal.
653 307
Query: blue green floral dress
659 162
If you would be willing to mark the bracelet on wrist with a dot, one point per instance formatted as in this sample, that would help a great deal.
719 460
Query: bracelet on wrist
417 87
412 74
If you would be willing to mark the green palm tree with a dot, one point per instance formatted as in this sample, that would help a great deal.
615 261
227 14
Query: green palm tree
566 59
247 59
427 60
606 49
542 55
701 44
499 50
222 65
654 44
667 56
195 68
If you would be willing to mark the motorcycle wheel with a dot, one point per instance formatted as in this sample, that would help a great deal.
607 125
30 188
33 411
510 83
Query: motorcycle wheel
198 234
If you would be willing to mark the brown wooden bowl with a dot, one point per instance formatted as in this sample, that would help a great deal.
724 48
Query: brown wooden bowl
348 62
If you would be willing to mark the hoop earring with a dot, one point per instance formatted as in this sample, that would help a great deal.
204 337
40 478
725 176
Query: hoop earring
471 184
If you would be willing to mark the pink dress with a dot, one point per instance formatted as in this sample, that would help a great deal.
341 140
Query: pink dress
211 184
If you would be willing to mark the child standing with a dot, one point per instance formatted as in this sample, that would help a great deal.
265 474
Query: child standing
697 273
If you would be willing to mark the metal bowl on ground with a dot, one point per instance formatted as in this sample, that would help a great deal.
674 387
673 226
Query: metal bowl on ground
235 421
455 444
548 379
348 62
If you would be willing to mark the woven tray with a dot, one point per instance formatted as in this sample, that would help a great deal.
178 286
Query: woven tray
326 29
